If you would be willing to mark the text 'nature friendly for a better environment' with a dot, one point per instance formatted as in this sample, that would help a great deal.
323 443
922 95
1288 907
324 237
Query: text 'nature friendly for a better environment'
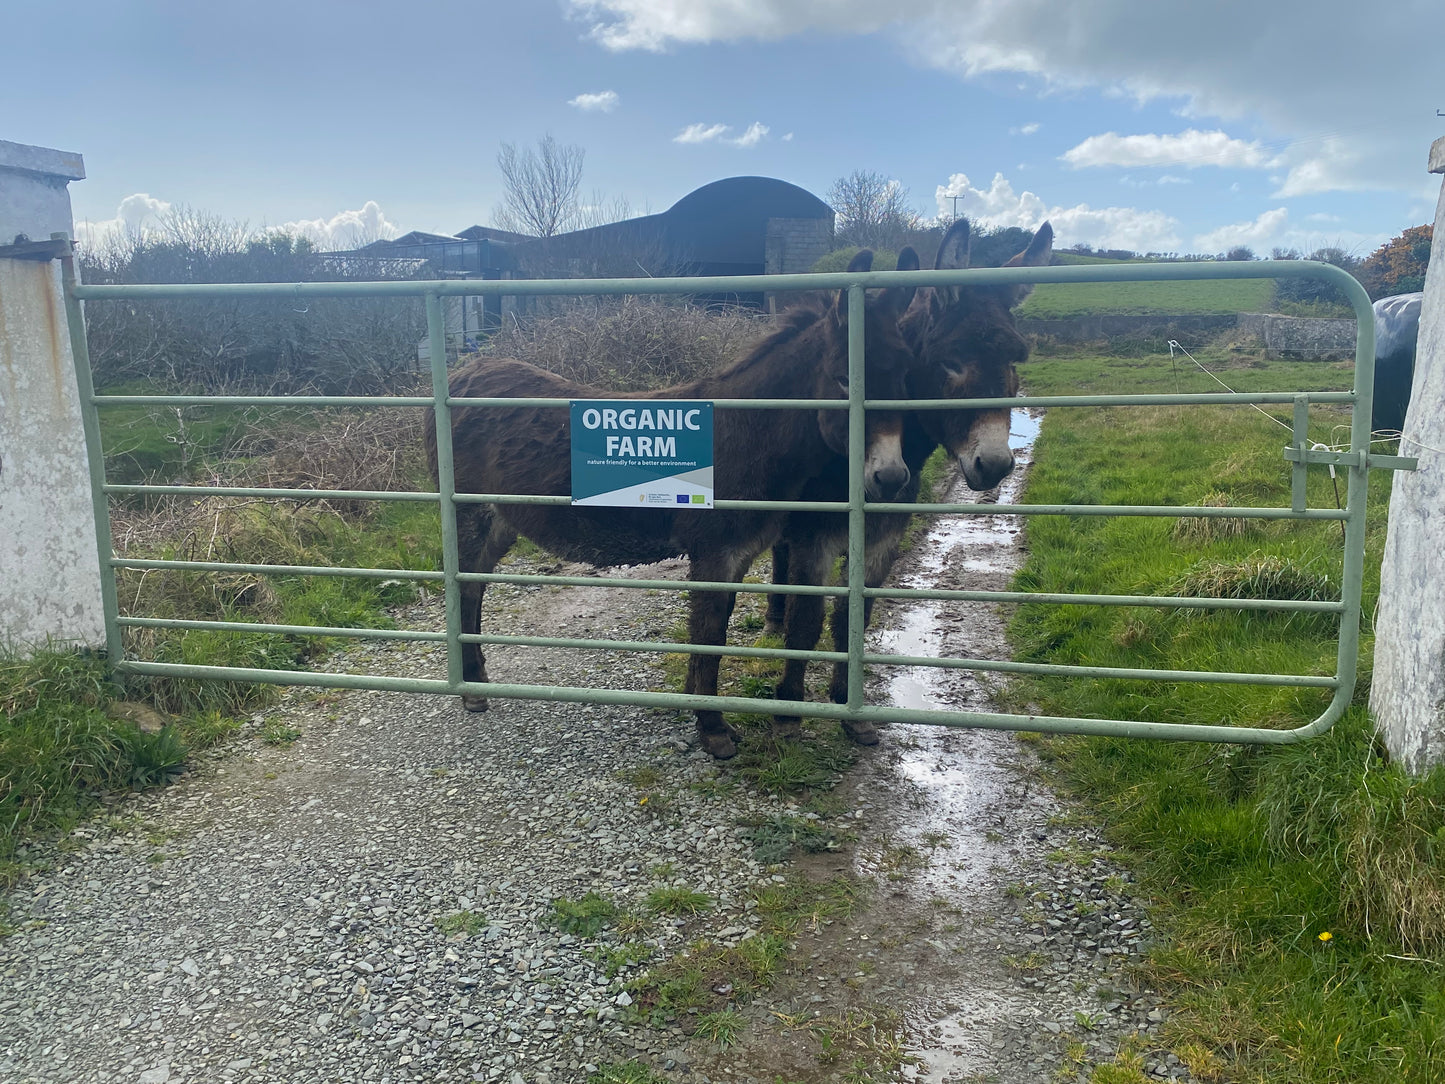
642 453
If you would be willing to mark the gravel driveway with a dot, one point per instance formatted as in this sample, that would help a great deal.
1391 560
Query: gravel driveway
373 902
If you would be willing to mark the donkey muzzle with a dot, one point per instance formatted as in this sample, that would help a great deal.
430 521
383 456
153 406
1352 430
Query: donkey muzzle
986 468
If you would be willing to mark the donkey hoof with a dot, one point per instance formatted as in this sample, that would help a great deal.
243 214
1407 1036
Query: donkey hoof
772 628
720 746
787 730
475 703
860 731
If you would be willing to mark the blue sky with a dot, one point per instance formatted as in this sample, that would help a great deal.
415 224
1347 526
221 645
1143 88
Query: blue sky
1155 126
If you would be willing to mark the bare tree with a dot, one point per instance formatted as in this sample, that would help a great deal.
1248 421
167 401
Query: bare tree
541 184
873 211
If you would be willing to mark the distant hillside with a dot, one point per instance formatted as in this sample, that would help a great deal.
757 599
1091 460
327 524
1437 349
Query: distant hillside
1060 301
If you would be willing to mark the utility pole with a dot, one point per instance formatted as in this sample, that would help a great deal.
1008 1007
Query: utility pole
955 206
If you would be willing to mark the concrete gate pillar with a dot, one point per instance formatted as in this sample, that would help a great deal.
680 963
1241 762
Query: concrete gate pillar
49 574
1407 693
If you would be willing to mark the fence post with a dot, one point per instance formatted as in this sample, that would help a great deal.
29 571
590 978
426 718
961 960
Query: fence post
50 587
1407 693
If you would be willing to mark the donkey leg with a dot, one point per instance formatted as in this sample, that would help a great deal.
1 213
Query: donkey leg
707 623
483 539
802 627
778 604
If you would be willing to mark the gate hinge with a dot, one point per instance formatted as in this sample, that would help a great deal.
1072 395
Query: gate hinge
1295 454
25 249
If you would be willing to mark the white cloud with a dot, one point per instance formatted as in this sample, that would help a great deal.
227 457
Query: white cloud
752 136
1262 233
1190 149
604 101
1026 129
1104 227
345 230
1274 75
700 133
718 133
136 215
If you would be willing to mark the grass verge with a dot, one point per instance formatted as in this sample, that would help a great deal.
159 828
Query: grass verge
1301 888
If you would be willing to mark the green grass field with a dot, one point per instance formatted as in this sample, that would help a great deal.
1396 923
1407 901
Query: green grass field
1300 891
1063 300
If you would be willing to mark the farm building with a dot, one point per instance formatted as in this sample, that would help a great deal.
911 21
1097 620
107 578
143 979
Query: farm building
736 226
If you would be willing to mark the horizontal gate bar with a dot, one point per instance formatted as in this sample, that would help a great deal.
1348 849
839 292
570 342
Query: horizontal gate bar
420 496
938 594
279 401
276 570
1124 673
723 284
1166 602
693 702
1201 511
280 630
1019 402
663 647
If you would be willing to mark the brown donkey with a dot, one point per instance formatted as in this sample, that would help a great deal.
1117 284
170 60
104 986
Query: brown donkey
758 455
968 348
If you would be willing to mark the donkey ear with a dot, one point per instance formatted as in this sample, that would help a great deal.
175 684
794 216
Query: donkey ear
1038 254
898 298
953 250
863 261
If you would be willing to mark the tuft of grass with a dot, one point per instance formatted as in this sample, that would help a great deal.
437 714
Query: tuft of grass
723 1027
585 917
1201 529
779 835
678 900
279 733
461 923
1262 576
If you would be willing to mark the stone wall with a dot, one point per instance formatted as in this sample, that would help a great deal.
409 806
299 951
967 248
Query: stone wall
1297 337
1281 336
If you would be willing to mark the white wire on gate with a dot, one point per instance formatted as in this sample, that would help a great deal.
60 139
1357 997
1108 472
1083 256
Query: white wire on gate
1377 436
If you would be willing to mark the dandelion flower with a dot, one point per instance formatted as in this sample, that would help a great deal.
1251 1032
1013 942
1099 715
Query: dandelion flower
1326 936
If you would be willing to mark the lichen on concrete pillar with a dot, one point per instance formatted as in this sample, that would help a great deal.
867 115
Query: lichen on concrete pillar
49 570
1407 693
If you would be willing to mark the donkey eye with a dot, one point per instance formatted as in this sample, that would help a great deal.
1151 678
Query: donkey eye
842 382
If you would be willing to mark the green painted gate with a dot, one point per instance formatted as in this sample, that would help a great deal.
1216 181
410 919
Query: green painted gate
1356 460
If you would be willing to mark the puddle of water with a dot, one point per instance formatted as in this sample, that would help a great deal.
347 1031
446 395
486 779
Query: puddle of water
974 544
970 796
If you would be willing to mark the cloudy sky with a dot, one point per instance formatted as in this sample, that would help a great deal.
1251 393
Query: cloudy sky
1153 125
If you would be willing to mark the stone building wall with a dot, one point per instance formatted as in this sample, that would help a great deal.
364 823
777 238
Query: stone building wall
794 245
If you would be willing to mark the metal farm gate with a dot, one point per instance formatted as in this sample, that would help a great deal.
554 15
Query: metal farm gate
1355 461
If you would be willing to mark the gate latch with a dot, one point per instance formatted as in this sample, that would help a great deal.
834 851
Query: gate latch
1304 452
1296 454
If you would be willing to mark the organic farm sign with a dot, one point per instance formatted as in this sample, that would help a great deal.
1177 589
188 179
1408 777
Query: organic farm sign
642 453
